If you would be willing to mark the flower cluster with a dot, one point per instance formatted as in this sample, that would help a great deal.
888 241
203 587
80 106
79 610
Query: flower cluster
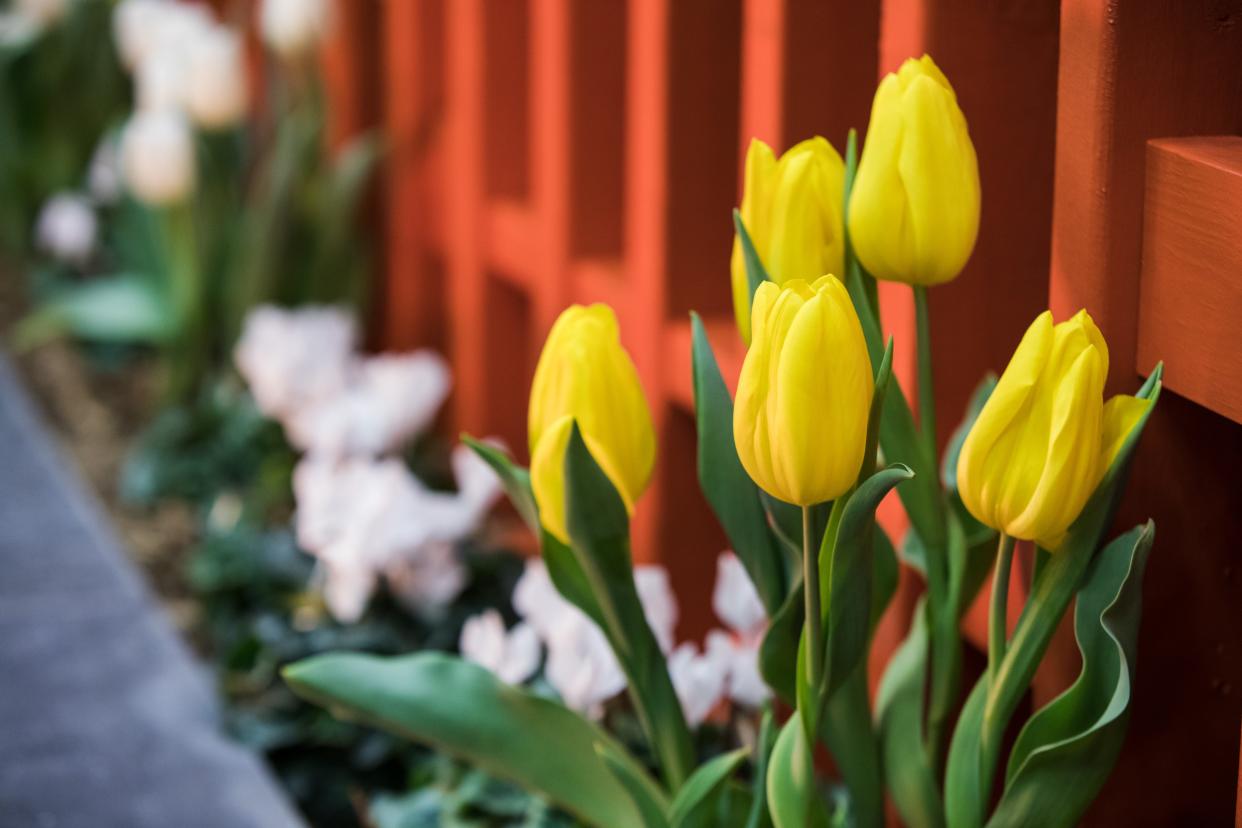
580 662
362 514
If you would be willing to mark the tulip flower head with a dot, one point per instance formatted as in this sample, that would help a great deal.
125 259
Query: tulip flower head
157 158
804 394
914 206
1045 437
791 208
585 375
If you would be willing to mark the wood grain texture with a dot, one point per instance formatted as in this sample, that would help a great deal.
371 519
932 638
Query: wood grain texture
1190 299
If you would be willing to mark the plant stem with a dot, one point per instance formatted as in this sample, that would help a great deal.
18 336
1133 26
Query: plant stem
810 581
998 609
927 396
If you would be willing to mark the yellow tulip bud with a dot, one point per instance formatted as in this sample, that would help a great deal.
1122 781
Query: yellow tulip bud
1046 437
800 419
914 207
585 375
791 209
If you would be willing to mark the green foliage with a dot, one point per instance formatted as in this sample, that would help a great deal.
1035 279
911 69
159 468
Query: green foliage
462 708
60 90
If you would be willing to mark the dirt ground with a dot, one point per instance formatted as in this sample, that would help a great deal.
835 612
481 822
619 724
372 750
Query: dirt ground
95 414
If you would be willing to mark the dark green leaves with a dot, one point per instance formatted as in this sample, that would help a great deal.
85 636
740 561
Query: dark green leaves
756 274
1067 749
599 533
733 496
464 710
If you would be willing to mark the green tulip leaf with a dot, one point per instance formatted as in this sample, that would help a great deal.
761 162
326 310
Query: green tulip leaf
778 653
846 728
599 531
953 451
563 567
845 577
756 273
698 803
793 796
1066 751
974 748
514 479
758 817
124 308
733 496
462 709
649 799
884 574
899 716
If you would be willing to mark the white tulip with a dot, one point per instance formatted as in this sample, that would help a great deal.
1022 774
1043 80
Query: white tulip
215 94
159 82
745 684
293 28
293 359
67 228
140 28
513 655
157 156
42 12
735 598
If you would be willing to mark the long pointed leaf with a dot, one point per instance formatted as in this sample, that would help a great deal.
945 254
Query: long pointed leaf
697 803
1067 750
463 709
733 496
599 531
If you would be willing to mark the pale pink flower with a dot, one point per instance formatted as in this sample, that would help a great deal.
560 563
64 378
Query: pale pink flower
386 400
698 679
294 359
67 228
512 655
735 599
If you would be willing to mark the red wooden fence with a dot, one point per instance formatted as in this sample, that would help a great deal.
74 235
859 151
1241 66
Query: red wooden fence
553 151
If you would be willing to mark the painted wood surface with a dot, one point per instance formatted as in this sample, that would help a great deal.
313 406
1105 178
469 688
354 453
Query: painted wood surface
551 151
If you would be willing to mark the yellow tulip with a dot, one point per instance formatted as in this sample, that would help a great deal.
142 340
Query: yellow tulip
800 419
792 211
1046 437
585 375
914 207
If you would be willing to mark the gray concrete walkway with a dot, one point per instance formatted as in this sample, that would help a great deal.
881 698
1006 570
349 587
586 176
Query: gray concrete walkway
105 718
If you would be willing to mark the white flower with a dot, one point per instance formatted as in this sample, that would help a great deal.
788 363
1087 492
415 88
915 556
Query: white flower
16 30
659 604
745 684
292 28
581 665
42 12
159 81
143 27
292 359
364 519
157 152
388 399
346 590
103 179
425 583
512 655
735 599
699 680
215 79
67 228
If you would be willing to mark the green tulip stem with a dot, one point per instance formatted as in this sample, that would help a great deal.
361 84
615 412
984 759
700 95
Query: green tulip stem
927 395
814 626
998 608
